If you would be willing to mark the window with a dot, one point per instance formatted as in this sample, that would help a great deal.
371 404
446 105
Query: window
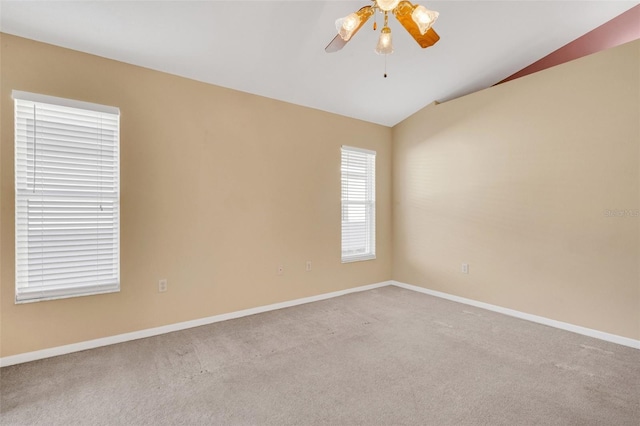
358 204
67 195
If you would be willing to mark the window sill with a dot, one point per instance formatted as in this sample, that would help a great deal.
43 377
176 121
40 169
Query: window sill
359 258
40 296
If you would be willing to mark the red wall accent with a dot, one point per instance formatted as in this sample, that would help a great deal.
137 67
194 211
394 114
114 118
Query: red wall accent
621 29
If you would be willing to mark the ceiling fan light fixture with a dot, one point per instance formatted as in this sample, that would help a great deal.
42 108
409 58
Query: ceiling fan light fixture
387 5
424 18
415 19
384 46
348 25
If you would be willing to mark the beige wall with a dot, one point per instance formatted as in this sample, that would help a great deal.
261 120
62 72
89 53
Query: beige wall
218 188
515 181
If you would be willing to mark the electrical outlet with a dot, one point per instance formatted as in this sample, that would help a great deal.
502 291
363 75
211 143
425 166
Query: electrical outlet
162 285
280 270
465 268
308 266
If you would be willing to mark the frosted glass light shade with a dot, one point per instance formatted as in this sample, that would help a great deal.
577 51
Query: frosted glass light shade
387 5
384 46
347 25
424 18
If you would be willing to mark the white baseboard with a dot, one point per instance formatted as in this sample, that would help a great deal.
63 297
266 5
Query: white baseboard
614 338
141 334
120 338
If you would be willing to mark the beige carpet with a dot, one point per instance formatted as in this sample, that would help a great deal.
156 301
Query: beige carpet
382 357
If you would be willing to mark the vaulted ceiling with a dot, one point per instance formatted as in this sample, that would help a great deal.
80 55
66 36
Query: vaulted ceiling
276 48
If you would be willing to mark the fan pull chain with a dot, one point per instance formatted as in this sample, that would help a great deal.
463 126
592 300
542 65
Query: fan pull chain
375 21
386 23
385 66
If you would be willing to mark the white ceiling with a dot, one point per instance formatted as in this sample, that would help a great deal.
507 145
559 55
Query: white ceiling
276 48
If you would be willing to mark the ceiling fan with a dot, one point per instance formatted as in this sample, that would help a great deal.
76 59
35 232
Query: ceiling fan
416 19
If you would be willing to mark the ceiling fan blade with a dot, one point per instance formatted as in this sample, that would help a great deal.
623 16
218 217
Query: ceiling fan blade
403 15
338 42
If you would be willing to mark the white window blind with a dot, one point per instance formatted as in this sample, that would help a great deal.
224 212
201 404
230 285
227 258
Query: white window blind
67 195
358 204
